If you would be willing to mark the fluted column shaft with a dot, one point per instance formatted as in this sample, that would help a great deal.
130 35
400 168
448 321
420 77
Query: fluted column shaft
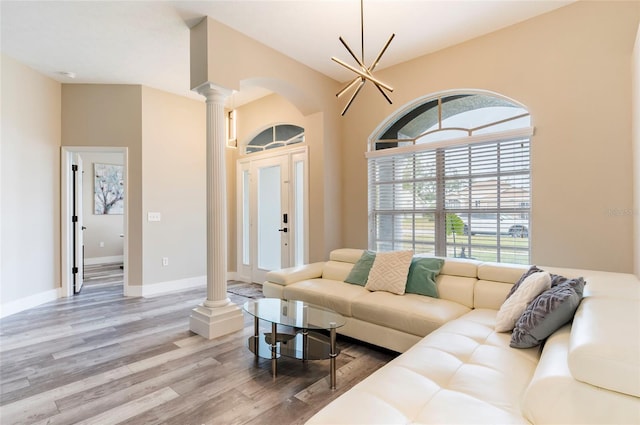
216 198
217 315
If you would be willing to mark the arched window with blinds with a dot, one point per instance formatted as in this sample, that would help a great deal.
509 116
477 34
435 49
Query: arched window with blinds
450 176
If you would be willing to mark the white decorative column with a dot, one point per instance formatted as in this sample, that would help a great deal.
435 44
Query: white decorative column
217 315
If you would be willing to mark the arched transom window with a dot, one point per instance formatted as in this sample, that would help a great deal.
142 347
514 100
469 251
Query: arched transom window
450 176
274 137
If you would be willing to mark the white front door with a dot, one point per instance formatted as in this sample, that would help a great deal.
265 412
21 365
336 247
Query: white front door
271 213
272 231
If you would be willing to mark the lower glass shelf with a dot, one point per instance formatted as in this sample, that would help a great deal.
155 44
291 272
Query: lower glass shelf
314 346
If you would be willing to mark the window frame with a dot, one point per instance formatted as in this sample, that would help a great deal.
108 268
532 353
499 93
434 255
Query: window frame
299 138
441 210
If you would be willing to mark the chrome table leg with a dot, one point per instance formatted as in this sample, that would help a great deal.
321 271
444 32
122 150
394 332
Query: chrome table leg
274 347
333 356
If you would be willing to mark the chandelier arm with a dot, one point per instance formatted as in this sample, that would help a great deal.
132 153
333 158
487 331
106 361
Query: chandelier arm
353 55
384 94
348 86
362 28
363 74
344 111
384 49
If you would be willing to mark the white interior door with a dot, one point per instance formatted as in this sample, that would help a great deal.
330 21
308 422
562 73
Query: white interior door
77 225
272 224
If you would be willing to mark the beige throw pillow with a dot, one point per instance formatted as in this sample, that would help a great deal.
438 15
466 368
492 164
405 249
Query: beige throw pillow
517 303
389 272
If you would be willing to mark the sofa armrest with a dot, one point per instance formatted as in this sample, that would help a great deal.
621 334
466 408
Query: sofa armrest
295 274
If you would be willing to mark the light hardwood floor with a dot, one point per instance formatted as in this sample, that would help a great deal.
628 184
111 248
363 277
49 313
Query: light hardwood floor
102 358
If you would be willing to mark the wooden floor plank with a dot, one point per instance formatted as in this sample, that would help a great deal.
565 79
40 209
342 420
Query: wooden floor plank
128 388
103 358
132 408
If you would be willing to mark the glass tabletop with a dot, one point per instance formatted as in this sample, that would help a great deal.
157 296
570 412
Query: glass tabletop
298 314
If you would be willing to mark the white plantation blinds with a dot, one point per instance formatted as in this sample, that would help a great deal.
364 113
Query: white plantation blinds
467 200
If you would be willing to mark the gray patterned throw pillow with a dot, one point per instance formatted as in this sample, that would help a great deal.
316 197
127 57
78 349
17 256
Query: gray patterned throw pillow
547 313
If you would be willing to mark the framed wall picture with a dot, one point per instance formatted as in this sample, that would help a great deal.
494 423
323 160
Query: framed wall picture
108 189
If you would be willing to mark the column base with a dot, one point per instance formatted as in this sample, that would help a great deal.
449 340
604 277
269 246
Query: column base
214 322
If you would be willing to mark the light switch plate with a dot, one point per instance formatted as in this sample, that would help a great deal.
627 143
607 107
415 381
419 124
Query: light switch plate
153 216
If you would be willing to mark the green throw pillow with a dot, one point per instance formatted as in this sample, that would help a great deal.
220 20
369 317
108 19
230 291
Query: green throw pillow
360 271
422 276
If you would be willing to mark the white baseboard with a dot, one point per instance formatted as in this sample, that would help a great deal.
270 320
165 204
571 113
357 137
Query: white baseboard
31 301
160 288
240 277
149 290
103 260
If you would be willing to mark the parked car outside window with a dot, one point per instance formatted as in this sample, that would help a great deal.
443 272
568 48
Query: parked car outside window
488 224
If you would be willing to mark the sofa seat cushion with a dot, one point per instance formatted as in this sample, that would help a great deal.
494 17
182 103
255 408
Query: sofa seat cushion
329 293
463 372
410 313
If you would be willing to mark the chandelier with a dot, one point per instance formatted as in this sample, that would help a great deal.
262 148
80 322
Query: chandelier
364 73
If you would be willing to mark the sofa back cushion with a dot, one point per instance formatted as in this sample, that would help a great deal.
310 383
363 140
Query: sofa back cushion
501 272
460 267
336 270
456 280
346 255
340 263
495 280
490 294
456 288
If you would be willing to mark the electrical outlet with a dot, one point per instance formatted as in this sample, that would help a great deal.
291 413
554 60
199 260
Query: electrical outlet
165 261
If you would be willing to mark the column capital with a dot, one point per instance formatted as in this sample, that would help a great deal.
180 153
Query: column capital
212 92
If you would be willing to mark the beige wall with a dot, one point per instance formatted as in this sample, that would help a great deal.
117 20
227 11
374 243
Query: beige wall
324 176
111 116
165 137
571 68
635 67
103 228
254 117
29 183
174 184
227 58
275 109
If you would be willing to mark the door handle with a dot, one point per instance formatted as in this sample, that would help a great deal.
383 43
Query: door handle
284 229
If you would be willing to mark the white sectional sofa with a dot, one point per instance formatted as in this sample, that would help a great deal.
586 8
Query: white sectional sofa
454 366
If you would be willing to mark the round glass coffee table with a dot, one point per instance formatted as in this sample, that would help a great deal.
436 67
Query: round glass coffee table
305 343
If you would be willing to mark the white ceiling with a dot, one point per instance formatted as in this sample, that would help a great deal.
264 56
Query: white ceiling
147 42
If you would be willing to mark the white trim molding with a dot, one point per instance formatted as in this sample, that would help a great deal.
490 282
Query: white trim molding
21 304
160 288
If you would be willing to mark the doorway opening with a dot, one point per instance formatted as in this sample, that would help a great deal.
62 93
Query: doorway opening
272 207
94 222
